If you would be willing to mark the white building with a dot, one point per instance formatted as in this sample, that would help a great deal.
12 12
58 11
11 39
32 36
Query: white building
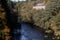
39 6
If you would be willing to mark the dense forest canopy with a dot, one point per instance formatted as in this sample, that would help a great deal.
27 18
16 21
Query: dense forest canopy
47 19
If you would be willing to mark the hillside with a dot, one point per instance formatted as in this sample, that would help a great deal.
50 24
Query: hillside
47 19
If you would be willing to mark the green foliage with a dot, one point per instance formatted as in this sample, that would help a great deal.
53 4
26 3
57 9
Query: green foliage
42 18
1 25
57 20
53 6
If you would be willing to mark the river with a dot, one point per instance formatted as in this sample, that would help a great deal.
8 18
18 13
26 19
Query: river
28 32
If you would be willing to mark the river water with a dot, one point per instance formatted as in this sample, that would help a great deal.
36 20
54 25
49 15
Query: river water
28 32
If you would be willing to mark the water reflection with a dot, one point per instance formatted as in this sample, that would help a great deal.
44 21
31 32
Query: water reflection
28 33
17 34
